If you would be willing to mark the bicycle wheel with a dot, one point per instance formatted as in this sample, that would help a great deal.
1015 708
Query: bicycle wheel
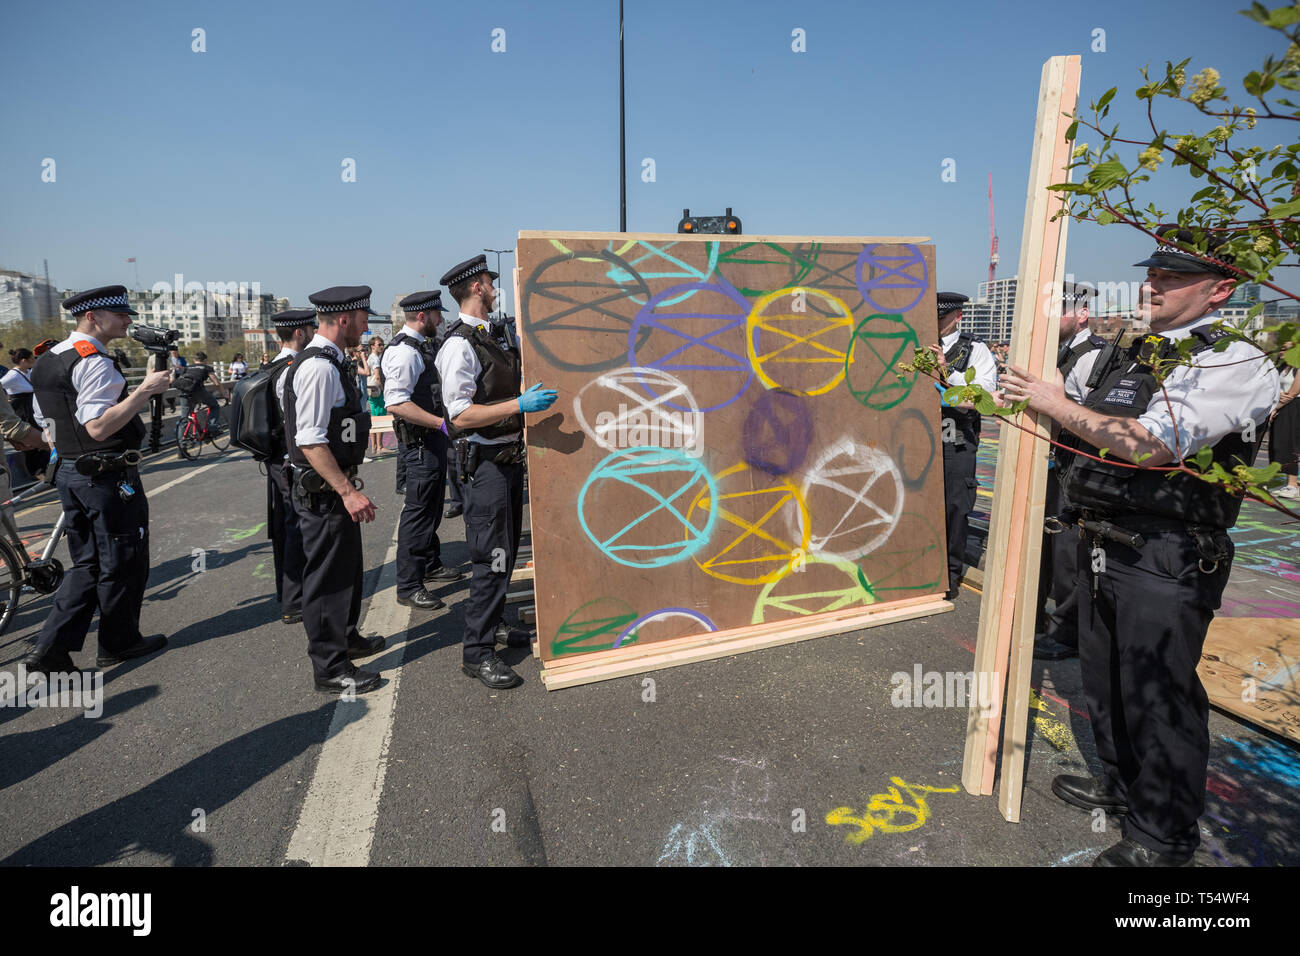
187 438
220 439
11 583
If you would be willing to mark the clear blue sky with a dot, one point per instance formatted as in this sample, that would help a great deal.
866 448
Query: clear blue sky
225 165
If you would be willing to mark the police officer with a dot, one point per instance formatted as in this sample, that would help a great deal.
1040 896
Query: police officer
413 395
1057 633
481 384
1159 547
295 327
958 351
95 423
327 428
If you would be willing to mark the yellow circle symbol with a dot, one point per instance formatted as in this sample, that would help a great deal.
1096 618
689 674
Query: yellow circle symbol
796 354
755 553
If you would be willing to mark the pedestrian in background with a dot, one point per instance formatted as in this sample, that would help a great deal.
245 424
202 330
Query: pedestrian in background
1284 434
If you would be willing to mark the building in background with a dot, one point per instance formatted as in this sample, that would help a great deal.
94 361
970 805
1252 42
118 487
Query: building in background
26 298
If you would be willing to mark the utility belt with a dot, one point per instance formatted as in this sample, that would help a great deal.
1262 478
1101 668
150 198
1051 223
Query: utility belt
101 462
413 436
309 486
1213 546
469 454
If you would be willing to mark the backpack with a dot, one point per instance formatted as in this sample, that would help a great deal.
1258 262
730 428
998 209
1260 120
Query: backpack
256 423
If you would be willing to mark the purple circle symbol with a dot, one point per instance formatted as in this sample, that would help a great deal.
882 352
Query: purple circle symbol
704 347
887 275
663 614
777 432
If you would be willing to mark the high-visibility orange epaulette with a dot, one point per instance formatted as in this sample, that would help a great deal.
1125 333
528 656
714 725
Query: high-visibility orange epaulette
85 349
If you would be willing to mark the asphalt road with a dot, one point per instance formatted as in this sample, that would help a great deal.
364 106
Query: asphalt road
218 751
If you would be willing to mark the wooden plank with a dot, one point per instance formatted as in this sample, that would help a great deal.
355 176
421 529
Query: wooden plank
526 573
683 237
518 597
843 618
528 615
1043 314
1007 525
726 644
1259 658
381 423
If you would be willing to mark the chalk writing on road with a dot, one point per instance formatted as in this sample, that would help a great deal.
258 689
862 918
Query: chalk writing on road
887 812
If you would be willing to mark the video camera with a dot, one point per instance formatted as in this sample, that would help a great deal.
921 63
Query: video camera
154 339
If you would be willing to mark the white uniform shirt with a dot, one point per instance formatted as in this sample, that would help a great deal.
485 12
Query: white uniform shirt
96 379
1076 383
459 367
285 352
1220 393
16 382
317 388
981 360
402 367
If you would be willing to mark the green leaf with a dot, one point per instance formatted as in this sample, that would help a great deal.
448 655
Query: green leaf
985 405
1203 458
1101 452
1074 128
1105 98
1283 16
1108 174
970 375
1105 217
1138 459
953 396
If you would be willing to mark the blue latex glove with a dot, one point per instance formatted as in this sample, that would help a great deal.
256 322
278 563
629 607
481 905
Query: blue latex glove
537 399
940 388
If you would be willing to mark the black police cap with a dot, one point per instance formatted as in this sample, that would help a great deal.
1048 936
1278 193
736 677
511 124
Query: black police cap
111 298
1170 256
343 298
294 318
466 270
950 302
423 302
1072 293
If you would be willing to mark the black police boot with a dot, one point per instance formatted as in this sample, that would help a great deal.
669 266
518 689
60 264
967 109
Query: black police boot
365 646
443 573
421 599
357 682
293 617
512 636
494 672
455 511
1089 793
1050 649
56 659
1128 852
146 645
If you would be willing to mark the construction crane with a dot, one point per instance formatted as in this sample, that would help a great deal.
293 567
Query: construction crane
993 234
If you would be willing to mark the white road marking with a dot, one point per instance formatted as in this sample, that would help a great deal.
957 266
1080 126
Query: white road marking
337 824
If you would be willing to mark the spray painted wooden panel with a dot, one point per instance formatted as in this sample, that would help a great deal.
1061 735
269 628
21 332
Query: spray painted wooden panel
732 444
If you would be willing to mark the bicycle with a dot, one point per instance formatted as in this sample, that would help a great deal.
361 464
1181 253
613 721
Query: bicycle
19 571
192 431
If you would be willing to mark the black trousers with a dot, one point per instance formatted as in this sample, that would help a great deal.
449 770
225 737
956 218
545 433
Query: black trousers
418 548
455 490
201 396
286 538
331 582
401 467
108 540
1140 639
959 486
1283 438
1059 574
494 504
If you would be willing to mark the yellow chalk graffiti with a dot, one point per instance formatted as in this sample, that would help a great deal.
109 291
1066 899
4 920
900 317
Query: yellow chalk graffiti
1055 732
883 808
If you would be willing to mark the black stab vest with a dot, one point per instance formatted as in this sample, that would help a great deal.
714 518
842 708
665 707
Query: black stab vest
1067 358
499 381
347 453
966 419
1112 491
427 391
52 380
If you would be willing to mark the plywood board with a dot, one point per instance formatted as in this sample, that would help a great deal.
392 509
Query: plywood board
733 443
1250 667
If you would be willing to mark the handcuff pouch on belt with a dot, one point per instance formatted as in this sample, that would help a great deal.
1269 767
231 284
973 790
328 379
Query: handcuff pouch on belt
412 436
310 486
469 454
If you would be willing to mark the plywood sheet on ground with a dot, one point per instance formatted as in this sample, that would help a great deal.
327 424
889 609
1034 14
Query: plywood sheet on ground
1250 667
733 443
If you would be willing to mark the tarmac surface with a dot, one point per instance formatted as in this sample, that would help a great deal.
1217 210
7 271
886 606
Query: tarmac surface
218 751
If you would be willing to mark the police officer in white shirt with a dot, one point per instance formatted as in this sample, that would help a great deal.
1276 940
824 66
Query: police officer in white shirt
413 394
295 328
327 428
95 424
481 384
960 435
1159 547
